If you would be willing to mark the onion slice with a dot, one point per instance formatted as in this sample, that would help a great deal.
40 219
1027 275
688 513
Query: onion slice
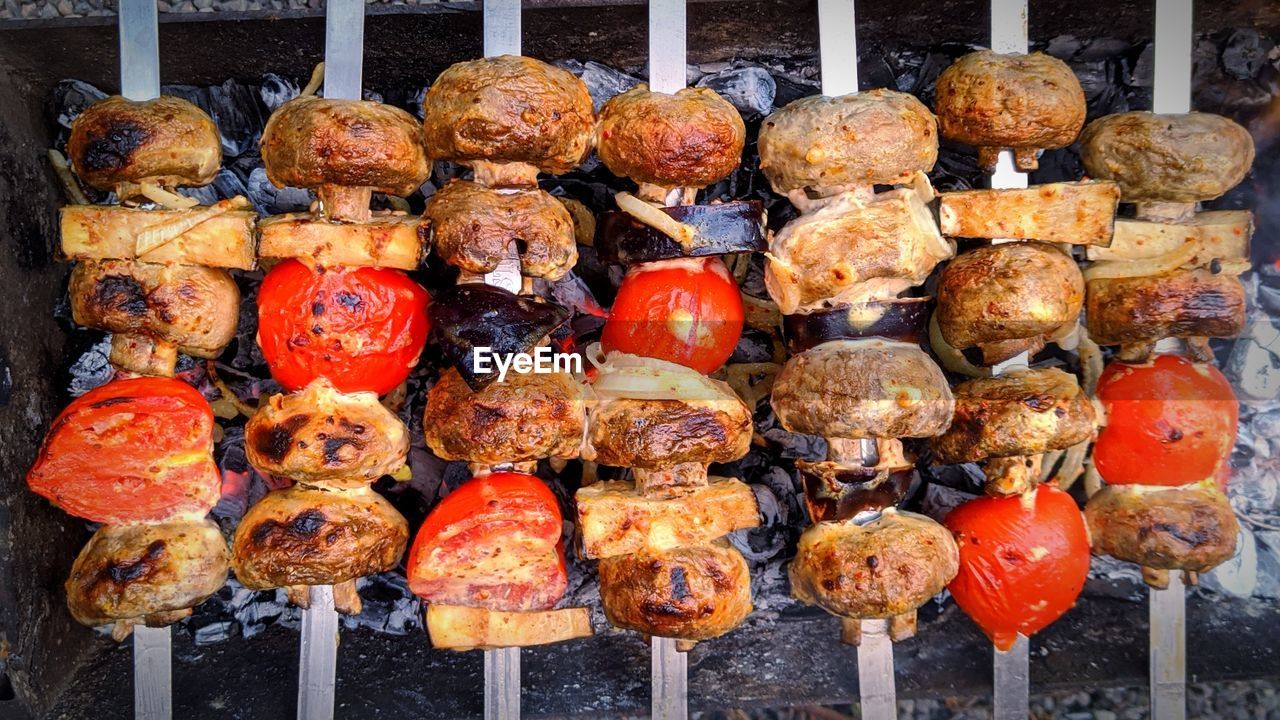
1115 269
718 229
656 219
951 358
166 199
631 377
154 236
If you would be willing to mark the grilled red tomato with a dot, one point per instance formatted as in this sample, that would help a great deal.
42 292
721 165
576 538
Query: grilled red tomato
1169 422
687 311
1023 561
133 450
494 542
362 328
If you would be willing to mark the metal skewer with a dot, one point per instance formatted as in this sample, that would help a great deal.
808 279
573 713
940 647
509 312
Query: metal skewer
152 673
1174 27
318 655
502 36
1011 669
140 80
838 58
318 647
668 35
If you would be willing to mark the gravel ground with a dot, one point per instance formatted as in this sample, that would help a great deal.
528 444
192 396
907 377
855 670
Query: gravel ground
46 9
1248 700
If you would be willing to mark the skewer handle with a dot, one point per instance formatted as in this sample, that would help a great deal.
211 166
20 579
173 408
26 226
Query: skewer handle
139 50
1012 672
1168 659
668 33
502 684
1174 28
669 674
838 47
1008 35
343 49
879 696
152 673
1174 32
318 660
501 27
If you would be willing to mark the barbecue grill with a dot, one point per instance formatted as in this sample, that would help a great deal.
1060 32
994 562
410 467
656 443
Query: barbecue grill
237 656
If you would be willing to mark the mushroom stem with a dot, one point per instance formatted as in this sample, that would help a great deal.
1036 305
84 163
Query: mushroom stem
345 204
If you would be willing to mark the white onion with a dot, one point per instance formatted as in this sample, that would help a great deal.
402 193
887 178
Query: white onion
656 219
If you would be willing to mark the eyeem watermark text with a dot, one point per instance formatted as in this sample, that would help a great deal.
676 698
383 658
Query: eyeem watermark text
542 361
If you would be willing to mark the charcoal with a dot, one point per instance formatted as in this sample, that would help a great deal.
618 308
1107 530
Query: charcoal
940 500
788 88
905 66
1268 542
1238 576
1095 78
388 606
1255 486
1266 425
874 71
1254 366
1109 577
214 632
1246 53
225 185
797 445
71 97
255 610
1064 47
276 91
927 77
602 81
91 369
1206 65
1102 49
749 89
1144 68
572 292
271 200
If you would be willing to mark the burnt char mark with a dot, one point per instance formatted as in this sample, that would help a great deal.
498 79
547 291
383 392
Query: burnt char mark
273 442
349 300
122 293
112 401
128 571
1041 402
680 585
353 428
112 149
1191 536
484 415
304 526
333 447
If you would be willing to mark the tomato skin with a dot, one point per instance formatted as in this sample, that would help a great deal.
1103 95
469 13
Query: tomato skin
1170 422
1023 561
362 328
687 311
493 542
133 450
